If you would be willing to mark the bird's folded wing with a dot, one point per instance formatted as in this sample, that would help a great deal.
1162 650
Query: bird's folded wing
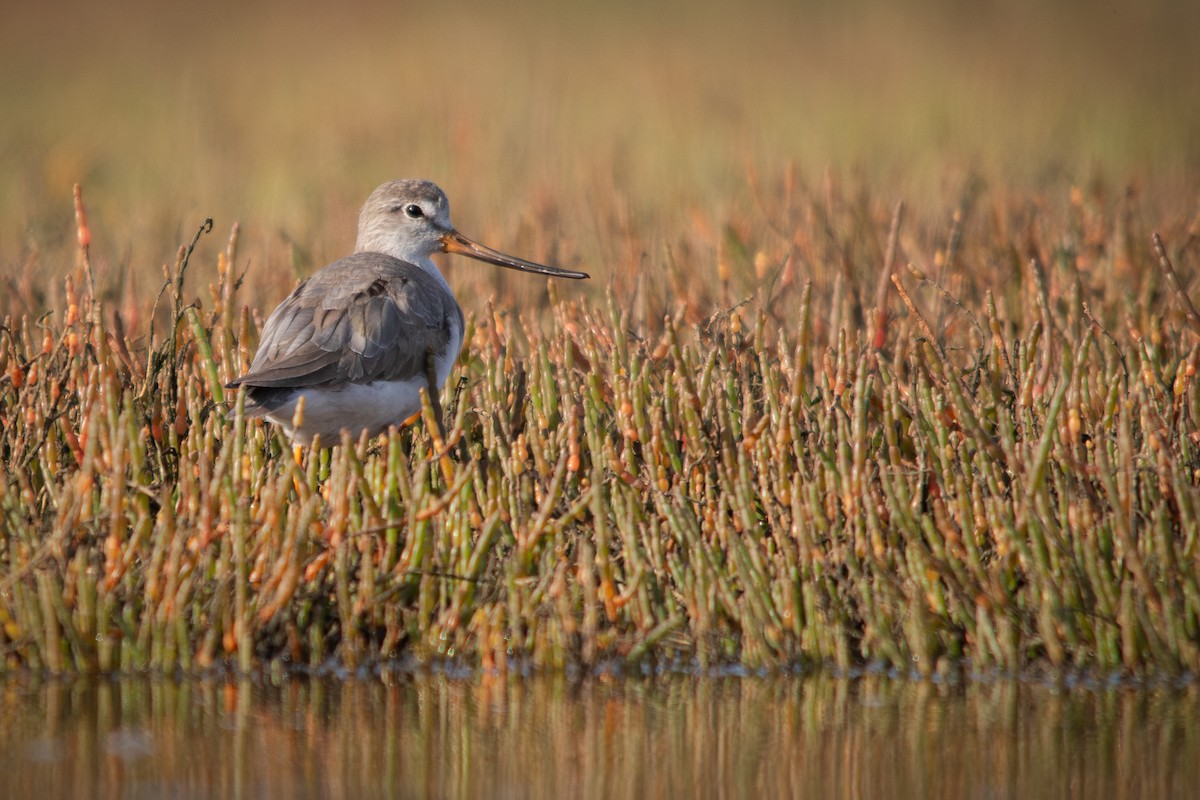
366 317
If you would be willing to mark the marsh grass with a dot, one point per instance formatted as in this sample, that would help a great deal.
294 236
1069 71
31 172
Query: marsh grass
863 435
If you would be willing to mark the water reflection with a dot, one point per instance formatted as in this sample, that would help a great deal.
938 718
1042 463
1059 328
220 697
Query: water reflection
678 736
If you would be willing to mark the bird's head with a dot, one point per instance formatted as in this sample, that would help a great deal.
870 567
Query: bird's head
410 220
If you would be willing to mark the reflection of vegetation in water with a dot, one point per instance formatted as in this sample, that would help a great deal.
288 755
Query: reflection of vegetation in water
669 737
668 473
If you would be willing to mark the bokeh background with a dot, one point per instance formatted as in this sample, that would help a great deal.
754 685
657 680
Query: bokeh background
583 133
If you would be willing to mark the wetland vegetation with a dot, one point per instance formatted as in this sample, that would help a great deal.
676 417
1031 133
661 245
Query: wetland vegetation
815 410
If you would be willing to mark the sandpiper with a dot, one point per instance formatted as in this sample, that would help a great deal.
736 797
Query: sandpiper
361 337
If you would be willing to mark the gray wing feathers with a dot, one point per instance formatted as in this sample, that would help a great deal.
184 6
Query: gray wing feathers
363 318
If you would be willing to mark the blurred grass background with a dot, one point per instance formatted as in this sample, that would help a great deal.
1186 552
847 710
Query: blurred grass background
584 133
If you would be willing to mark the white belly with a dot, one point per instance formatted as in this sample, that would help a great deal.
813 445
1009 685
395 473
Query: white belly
352 408
361 406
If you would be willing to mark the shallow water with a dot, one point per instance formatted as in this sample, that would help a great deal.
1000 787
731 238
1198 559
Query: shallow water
678 736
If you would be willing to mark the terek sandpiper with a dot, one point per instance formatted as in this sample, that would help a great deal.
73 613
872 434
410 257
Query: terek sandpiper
361 337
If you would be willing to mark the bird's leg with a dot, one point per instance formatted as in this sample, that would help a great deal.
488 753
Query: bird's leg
435 398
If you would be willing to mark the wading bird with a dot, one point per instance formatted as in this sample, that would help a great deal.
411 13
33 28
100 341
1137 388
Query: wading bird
361 337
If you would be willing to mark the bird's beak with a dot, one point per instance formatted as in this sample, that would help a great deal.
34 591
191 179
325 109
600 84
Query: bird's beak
455 242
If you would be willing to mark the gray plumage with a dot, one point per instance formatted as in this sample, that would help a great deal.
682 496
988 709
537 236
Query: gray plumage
363 318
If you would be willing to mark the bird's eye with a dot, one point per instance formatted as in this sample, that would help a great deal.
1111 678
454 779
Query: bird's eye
413 211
